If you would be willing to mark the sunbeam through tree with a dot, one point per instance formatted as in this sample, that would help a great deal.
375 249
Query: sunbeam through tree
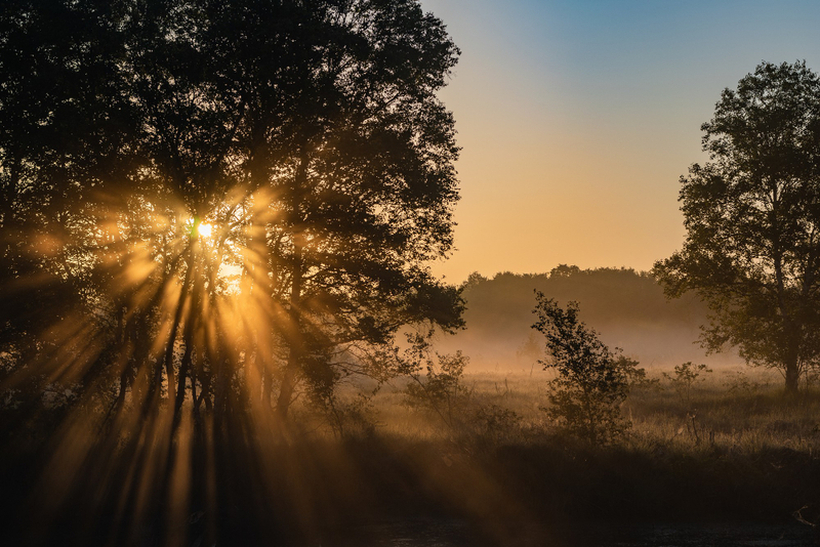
211 210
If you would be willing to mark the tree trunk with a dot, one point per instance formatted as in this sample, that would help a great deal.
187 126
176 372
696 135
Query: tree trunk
792 376
184 371
221 386
260 285
295 341
185 368
294 330
168 358
286 390
791 366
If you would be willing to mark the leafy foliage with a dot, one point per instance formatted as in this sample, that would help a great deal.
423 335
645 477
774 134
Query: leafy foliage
592 381
752 215
437 385
307 135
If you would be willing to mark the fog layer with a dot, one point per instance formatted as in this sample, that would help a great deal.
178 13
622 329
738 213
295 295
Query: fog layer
627 308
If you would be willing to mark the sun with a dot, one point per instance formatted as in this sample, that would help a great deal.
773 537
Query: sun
204 230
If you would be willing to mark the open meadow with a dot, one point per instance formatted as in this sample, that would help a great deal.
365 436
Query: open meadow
708 461
738 409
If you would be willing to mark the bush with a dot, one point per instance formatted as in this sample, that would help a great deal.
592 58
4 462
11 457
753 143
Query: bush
686 376
495 423
436 385
592 381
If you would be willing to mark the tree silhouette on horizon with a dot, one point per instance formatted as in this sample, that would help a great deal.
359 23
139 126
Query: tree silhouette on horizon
752 215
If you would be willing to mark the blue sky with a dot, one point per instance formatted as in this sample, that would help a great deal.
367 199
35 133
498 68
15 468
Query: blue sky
577 119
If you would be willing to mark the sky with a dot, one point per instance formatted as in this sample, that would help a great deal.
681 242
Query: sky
577 118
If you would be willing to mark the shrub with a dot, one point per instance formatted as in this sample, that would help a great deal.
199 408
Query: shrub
496 423
592 381
437 385
685 378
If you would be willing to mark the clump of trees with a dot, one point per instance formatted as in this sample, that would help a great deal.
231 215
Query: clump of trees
752 215
628 308
215 206
592 381
209 211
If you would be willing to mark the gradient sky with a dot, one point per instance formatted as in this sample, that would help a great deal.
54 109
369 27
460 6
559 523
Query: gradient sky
577 118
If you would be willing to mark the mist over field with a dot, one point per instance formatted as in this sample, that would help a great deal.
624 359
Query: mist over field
626 307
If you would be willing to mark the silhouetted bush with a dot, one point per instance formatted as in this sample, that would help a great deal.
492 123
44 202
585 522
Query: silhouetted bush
592 381
436 382
687 375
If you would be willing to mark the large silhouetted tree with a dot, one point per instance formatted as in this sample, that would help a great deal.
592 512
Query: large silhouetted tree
752 215
309 137
348 136
209 209
63 130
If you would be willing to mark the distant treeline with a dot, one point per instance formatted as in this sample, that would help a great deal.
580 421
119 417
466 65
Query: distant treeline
626 307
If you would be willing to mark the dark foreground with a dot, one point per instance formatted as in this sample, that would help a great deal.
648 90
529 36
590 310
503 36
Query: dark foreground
379 491
445 533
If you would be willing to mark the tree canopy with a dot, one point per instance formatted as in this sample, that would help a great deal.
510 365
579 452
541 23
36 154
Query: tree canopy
206 200
210 210
752 215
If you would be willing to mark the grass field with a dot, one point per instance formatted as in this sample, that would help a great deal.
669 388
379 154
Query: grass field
488 467
737 409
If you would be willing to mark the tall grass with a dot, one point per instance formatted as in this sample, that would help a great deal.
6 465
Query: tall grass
732 409
733 448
